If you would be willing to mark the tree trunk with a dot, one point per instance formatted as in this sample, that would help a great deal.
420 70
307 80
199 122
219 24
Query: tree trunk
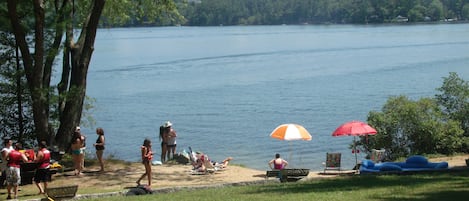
38 71
33 66
80 53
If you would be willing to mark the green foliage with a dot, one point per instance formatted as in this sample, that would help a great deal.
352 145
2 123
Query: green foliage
141 12
40 35
454 99
15 105
236 12
426 126
435 10
465 12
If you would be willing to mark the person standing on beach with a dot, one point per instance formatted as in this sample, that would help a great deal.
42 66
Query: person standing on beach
77 156
278 163
7 147
42 172
83 148
164 143
147 156
13 178
99 145
171 135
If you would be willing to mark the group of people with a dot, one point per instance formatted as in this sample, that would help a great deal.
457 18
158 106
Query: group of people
168 141
78 147
12 158
167 138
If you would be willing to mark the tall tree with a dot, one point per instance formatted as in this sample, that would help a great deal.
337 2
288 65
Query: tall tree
454 99
63 16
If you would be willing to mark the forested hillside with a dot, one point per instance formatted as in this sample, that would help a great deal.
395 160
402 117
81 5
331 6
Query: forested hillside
271 12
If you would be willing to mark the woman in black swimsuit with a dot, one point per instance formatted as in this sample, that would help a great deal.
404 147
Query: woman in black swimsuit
99 145
164 143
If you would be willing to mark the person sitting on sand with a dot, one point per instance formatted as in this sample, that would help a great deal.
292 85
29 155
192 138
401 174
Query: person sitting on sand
278 162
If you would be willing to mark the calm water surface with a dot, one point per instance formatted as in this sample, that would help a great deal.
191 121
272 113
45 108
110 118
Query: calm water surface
226 88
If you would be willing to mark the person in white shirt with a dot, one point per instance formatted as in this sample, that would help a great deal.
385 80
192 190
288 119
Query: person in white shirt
7 147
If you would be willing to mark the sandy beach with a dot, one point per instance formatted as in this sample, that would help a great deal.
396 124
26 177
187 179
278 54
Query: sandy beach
119 177
177 175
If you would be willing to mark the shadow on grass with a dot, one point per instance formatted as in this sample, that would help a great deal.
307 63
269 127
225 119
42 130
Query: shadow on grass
458 188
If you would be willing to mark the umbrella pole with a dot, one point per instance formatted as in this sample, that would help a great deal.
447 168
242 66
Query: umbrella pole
355 151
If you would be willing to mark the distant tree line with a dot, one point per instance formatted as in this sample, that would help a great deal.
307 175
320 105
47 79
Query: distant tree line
274 12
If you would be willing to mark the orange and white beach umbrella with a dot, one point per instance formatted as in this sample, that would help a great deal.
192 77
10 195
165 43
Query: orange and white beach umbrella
290 132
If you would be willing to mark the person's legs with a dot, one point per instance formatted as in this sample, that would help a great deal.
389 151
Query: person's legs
9 181
99 155
141 177
38 177
164 151
39 186
15 189
82 162
168 152
45 186
76 163
226 161
173 151
9 186
145 163
148 172
17 182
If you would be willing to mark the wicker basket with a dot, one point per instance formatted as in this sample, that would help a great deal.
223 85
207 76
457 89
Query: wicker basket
62 192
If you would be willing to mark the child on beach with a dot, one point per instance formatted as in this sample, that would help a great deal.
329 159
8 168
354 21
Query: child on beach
147 156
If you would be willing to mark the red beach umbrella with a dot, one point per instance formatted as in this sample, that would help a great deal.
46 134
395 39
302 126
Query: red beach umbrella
354 128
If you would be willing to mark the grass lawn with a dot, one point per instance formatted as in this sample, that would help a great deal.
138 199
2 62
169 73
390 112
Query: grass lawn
429 186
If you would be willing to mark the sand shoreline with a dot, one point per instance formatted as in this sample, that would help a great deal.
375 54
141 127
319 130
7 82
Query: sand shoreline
119 177
172 175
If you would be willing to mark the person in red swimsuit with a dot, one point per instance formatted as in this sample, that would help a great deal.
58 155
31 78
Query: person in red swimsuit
42 172
147 156
13 172
278 162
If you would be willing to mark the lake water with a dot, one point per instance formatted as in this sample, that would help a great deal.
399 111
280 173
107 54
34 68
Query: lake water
226 88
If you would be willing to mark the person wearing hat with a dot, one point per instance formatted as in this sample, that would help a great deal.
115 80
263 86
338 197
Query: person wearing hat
171 135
